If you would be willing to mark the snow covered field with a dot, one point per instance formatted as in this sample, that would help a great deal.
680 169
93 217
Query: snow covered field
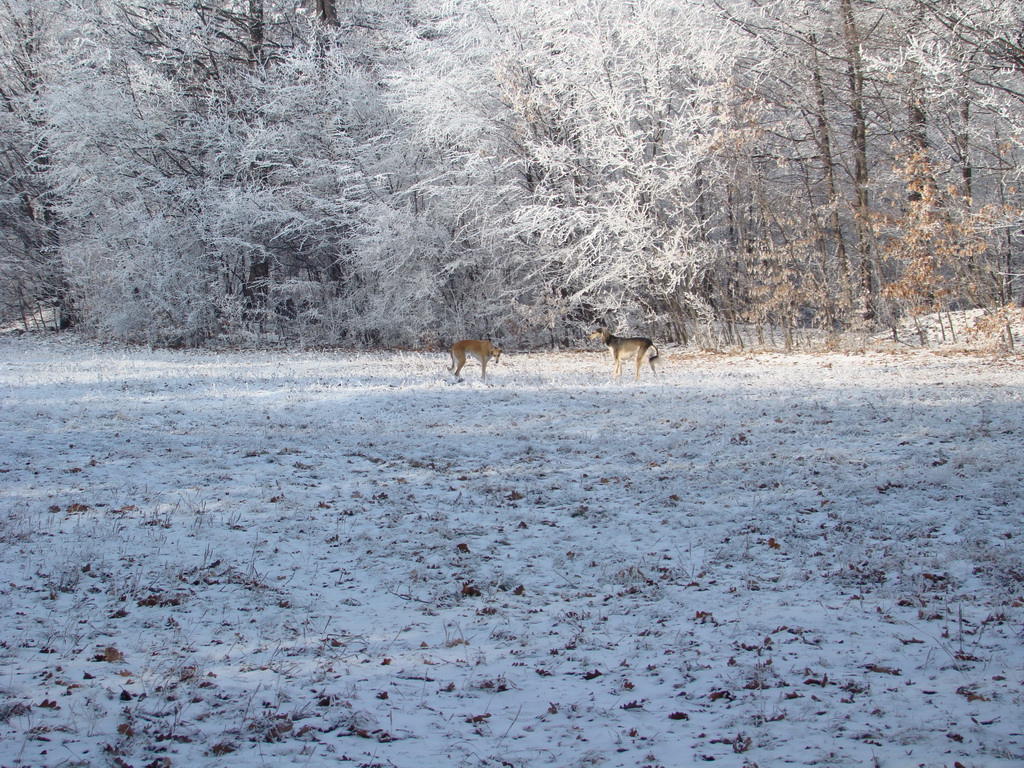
352 559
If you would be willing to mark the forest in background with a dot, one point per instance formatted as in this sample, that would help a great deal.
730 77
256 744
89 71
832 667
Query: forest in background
405 173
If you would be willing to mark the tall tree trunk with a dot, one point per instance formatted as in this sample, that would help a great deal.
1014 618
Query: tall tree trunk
835 229
918 136
963 144
257 32
327 11
861 174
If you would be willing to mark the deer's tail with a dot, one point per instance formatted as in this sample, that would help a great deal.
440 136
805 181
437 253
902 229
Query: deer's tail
654 359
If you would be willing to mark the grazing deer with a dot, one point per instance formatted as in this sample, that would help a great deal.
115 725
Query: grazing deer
481 350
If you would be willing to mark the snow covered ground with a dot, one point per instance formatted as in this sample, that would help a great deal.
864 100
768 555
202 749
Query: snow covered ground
335 558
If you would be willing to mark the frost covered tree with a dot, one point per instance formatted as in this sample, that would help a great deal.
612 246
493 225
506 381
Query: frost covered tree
668 163
213 175
575 141
33 288
403 173
854 95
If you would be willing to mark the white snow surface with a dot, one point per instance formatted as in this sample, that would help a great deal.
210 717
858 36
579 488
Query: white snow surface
338 558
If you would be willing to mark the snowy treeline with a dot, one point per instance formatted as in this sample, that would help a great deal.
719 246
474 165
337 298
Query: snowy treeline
406 172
